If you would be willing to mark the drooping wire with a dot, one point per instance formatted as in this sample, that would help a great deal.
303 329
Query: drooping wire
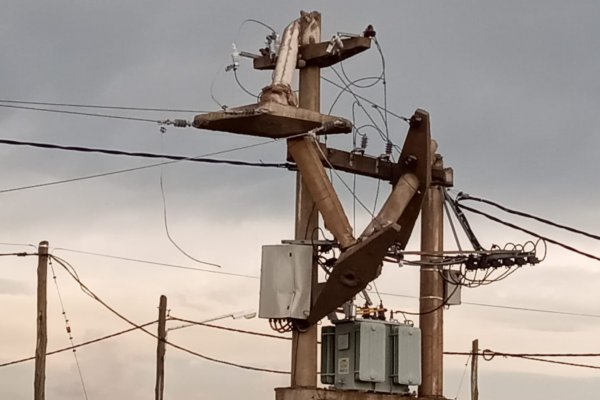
384 82
68 328
462 379
385 110
71 271
212 88
354 195
251 20
237 80
166 225
82 344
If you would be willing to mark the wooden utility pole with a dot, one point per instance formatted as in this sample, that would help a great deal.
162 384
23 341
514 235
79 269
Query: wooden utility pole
431 305
304 344
160 349
474 359
42 338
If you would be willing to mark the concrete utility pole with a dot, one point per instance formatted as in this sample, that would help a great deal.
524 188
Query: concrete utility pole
160 349
431 320
304 344
42 338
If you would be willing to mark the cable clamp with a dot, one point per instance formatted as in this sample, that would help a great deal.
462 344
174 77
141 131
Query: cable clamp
178 123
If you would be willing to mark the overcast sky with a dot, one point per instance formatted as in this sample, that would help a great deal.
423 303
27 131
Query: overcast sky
513 93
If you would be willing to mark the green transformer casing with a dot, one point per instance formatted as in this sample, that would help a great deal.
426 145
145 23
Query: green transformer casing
371 355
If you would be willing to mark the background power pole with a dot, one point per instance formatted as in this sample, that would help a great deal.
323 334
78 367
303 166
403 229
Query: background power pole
431 307
304 344
42 338
160 349
474 359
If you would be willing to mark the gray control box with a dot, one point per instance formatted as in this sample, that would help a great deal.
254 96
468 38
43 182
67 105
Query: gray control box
285 281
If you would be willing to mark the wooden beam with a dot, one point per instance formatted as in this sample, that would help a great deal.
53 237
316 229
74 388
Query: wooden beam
359 164
316 55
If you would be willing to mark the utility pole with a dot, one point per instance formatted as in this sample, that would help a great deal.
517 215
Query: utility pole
42 338
278 115
431 304
304 344
474 359
160 349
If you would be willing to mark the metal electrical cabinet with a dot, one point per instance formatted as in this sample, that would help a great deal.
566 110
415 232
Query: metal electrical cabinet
371 355
285 281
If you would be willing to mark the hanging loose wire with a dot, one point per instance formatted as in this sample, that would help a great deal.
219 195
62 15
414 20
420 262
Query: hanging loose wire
166 225
68 328
462 379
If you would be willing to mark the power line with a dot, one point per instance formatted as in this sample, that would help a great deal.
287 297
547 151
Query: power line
365 99
161 264
126 170
68 329
18 254
499 306
230 329
97 340
40 103
145 155
489 355
498 220
514 308
166 225
52 110
70 270
539 310
463 196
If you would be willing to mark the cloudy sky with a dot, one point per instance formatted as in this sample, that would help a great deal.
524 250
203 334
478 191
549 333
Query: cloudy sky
513 93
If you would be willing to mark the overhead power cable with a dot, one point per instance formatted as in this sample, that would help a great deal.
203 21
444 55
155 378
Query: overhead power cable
513 308
489 355
126 170
52 110
145 155
498 220
463 196
161 264
224 328
68 329
70 270
73 105
100 339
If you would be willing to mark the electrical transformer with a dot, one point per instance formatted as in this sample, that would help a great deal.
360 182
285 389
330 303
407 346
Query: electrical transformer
371 355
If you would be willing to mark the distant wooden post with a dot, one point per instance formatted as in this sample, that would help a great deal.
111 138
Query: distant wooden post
474 359
160 349
42 338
